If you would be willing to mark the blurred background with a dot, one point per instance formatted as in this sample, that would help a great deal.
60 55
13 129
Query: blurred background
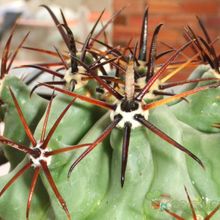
174 14
81 15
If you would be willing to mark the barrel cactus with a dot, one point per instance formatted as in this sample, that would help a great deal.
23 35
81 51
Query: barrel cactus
112 142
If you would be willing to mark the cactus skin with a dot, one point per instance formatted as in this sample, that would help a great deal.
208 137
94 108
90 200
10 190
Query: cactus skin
13 202
89 183
81 117
120 203
95 187
206 182
33 109
175 169
202 110
170 166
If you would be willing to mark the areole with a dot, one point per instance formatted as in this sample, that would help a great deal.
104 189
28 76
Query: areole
128 109
40 155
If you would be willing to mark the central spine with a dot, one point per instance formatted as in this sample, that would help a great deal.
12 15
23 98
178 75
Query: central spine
129 81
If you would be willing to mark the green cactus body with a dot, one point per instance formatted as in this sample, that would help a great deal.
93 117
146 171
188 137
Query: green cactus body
201 112
170 173
127 202
89 182
14 201
79 118
202 184
197 73
32 107
206 182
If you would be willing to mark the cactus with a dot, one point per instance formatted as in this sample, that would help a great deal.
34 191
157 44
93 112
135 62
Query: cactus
124 154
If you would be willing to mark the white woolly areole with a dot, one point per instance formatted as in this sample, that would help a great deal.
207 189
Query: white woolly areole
42 157
69 77
129 116
199 217
2 128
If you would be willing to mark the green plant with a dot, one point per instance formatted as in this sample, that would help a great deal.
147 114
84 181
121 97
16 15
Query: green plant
140 144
